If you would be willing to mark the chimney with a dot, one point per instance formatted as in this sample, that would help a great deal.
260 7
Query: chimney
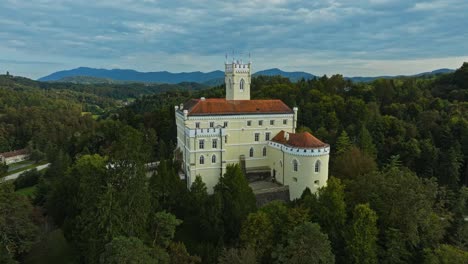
181 107
202 98
286 136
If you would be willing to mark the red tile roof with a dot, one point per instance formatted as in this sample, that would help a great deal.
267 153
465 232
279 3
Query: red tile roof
299 140
14 153
218 106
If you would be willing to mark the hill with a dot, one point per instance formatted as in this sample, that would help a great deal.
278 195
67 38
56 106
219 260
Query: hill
85 75
135 76
423 74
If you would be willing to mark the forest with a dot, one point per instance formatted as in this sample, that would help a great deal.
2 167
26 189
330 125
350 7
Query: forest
396 191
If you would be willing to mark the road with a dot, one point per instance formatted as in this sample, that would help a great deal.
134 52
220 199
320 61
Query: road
16 175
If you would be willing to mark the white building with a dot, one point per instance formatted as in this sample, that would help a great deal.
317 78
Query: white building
14 156
257 134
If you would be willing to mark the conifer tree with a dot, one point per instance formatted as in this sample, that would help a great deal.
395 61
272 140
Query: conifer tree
343 143
361 242
237 198
366 143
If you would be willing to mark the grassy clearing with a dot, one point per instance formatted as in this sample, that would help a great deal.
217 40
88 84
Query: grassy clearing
53 249
27 167
28 191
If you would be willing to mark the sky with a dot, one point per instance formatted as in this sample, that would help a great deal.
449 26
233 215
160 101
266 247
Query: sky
349 37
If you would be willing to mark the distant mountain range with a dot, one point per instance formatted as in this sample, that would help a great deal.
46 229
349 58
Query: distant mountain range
90 75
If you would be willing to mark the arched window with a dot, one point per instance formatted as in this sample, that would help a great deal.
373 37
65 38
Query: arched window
295 165
213 159
251 152
264 151
241 87
202 159
317 166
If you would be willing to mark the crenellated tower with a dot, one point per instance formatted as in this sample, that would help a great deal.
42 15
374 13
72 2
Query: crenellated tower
237 76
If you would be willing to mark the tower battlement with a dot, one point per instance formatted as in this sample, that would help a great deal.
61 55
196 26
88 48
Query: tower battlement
237 67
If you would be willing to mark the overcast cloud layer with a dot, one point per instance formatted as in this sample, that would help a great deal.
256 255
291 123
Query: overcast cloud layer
351 37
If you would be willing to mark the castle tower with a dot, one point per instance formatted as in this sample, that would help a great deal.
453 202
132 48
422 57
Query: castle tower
237 79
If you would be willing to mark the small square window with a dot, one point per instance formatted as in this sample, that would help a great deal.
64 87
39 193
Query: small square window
260 122
249 123
272 122
197 125
211 124
285 121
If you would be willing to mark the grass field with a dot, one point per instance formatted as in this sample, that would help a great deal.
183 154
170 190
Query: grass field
53 249
26 168
28 191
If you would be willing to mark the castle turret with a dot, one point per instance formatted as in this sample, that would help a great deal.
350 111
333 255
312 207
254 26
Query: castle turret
237 79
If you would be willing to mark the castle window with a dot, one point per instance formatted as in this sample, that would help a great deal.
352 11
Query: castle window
213 159
264 151
225 123
230 83
295 165
202 159
241 87
272 122
251 152
267 136
260 122
225 139
317 166
197 124
211 124
214 143
201 144
249 122
285 121
257 136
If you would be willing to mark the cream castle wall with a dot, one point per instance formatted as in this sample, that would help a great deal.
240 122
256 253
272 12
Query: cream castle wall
282 166
232 141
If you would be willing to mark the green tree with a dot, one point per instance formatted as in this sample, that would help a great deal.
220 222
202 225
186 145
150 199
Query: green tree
237 198
343 143
178 254
361 244
126 250
3 169
328 209
352 164
237 256
257 233
366 143
306 244
17 230
162 229
109 199
445 254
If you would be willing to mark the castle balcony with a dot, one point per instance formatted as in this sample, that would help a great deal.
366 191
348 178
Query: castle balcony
206 132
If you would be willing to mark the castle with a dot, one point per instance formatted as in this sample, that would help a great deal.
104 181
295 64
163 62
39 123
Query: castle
257 134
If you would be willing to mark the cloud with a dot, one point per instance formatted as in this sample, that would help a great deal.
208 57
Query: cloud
194 35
